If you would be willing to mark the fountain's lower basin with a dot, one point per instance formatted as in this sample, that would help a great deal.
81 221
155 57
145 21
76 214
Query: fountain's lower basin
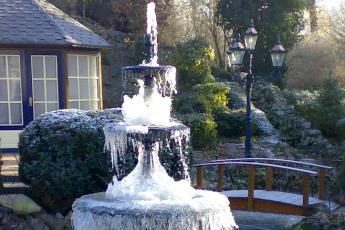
206 211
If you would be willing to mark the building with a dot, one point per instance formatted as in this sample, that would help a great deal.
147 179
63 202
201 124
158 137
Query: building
48 61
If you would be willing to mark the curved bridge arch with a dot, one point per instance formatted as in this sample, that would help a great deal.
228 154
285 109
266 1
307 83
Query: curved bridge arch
268 200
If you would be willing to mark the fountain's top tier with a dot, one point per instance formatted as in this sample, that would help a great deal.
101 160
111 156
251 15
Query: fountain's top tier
150 71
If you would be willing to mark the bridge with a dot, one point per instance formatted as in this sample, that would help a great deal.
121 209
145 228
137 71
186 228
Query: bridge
268 200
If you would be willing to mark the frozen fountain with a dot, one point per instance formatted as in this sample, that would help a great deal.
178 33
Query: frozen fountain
148 198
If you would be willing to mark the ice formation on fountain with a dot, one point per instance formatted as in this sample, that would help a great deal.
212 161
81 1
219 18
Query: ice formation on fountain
151 35
148 199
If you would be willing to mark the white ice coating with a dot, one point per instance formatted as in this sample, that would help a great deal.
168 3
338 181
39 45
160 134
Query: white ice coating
117 139
139 110
206 211
153 185
152 29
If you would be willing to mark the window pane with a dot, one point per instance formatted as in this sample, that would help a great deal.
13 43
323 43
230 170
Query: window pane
37 67
93 89
13 67
4 120
3 67
16 113
83 66
84 105
73 105
15 92
94 105
39 108
73 89
51 67
84 88
72 65
3 90
39 90
93 66
52 107
52 94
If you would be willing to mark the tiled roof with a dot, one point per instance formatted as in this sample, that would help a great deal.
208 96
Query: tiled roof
39 23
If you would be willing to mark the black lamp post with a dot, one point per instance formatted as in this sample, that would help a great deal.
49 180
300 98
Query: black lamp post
236 52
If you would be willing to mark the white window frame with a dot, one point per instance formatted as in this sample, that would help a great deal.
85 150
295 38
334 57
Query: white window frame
77 77
9 102
44 79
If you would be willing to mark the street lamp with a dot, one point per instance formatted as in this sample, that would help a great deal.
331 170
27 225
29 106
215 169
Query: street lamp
278 54
236 52
250 37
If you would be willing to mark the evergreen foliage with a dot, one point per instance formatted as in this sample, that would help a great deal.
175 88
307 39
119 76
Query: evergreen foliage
271 17
328 113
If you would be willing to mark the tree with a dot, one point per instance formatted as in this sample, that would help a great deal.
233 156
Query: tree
271 17
311 61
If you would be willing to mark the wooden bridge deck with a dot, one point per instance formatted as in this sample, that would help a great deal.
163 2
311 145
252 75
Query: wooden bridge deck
238 200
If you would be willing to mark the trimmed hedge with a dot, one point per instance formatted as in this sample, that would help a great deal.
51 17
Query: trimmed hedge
203 129
231 123
62 157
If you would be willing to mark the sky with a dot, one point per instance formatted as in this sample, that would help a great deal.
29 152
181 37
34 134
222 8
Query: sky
330 4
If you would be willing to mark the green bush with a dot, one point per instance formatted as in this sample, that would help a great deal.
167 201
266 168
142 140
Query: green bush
325 111
186 102
231 123
212 95
340 128
221 74
203 129
62 157
330 107
192 59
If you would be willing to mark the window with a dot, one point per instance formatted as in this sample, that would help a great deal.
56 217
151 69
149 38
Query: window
83 82
44 84
10 90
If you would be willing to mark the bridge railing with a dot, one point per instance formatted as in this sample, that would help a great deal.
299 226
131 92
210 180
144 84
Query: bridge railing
220 165
320 168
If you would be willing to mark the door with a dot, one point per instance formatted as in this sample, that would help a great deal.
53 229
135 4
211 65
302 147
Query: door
45 84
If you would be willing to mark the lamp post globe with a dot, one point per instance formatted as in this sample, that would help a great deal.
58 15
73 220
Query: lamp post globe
236 51
251 37
278 53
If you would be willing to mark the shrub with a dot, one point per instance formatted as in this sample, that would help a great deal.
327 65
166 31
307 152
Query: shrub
212 95
330 107
326 111
203 129
186 103
193 59
62 157
340 128
231 123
